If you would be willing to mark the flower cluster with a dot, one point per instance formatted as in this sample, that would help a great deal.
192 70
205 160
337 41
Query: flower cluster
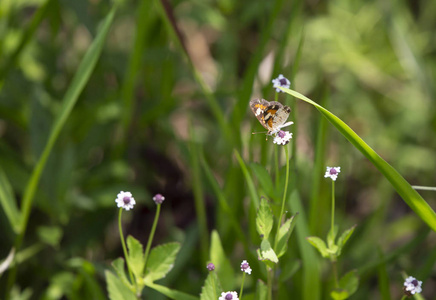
332 172
412 286
282 137
229 296
125 200
281 81
245 267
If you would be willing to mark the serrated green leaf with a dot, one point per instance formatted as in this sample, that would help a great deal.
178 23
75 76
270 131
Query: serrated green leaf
331 236
136 256
118 265
261 291
319 245
211 289
264 178
349 282
283 236
339 294
223 267
267 252
344 238
412 198
116 289
161 261
7 201
264 219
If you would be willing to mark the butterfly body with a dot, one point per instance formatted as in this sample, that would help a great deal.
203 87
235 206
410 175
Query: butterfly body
271 114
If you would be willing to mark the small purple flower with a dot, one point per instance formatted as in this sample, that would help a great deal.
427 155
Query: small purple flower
158 199
125 200
229 296
245 267
412 286
281 81
210 266
282 137
332 172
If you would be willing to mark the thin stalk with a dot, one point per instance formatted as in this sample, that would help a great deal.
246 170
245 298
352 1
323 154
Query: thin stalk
123 243
150 238
242 286
276 165
284 198
333 206
270 278
335 273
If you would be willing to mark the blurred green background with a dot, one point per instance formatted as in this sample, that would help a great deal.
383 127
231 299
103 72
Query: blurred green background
168 101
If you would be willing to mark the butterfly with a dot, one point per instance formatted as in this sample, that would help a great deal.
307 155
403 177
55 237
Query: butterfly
271 114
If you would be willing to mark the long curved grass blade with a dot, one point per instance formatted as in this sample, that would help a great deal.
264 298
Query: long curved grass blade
404 189
7 201
76 87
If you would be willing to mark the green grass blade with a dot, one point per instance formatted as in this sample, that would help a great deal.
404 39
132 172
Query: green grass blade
7 201
404 189
76 87
251 188
172 294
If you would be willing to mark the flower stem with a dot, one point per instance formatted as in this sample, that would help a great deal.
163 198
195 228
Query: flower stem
242 286
123 243
284 198
333 206
335 273
276 163
150 238
276 96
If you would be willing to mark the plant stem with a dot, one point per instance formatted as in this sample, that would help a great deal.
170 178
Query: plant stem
276 96
270 278
150 238
242 286
123 243
276 161
335 273
284 198
333 206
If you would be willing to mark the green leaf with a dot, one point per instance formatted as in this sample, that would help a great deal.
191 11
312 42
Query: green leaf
349 282
172 294
319 245
404 189
263 178
116 289
223 267
136 256
118 265
344 238
7 201
283 236
211 289
331 236
161 261
76 87
261 291
267 252
339 294
264 219
50 235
